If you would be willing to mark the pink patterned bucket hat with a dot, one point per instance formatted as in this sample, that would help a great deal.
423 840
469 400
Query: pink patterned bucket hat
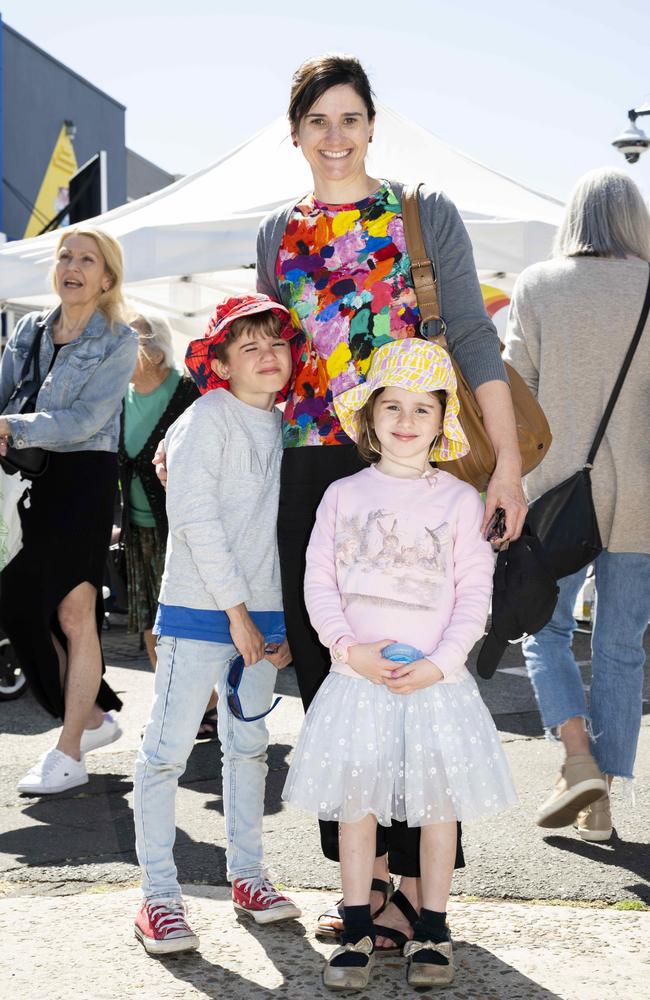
417 366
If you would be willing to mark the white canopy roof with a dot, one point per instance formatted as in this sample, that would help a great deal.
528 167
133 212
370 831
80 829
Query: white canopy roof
208 221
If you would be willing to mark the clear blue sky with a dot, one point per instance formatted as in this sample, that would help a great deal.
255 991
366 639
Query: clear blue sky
534 89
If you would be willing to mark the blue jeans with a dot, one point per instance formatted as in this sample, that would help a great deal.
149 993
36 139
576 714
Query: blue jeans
186 673
618 658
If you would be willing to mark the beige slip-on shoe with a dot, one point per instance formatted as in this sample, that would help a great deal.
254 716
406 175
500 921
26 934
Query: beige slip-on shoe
578 784
420 974
595 822
350 977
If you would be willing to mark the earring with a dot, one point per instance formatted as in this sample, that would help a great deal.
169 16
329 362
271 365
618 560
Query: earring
370 139
295 142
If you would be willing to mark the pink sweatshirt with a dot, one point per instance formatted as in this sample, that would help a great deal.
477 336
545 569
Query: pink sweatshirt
400 559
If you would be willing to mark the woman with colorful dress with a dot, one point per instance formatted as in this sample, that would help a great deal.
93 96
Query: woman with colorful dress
338 261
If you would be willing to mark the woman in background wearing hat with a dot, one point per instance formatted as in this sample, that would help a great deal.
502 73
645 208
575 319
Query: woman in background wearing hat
582 307
338 261
397 557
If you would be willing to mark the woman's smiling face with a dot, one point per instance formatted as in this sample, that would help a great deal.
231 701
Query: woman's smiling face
334 135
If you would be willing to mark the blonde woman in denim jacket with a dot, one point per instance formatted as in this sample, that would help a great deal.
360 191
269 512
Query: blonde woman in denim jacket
50 594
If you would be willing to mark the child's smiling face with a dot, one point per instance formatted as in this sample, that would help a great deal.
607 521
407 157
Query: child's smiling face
406 423
256 364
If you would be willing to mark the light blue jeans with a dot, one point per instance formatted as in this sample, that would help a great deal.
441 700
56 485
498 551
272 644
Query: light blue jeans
187 671
618 658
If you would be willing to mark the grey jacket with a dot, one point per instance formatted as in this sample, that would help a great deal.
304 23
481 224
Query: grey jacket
78 406
570 324
471 335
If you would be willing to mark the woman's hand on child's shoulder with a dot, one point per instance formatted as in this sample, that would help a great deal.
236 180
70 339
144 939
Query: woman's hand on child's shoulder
409 677
365 658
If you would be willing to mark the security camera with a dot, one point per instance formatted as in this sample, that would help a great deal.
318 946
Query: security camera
632 142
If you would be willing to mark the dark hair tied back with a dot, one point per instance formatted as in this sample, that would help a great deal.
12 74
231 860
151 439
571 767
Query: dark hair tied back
317 75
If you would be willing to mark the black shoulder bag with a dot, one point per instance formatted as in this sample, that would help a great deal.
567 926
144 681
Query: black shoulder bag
564 518
31 462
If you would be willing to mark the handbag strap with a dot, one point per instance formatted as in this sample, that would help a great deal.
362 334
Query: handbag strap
602 427
422 270
33 355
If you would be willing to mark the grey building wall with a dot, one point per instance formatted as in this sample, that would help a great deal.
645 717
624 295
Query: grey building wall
144 177
38 94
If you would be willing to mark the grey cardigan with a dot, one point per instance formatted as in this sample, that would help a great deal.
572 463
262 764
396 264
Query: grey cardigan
471 335
571 321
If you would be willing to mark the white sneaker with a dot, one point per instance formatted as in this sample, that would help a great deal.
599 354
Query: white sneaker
108 732
54 772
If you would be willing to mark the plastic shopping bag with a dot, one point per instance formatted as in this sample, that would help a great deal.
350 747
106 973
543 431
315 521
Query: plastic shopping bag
11 534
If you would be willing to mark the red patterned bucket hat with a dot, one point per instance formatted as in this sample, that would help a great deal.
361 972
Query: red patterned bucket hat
200 352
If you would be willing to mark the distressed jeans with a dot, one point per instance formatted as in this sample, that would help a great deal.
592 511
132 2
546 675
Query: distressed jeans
618 658
187 671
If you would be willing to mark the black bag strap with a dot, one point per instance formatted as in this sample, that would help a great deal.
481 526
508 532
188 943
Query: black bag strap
33 357
602 427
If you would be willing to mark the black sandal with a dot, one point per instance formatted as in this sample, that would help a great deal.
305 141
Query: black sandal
399 937
209 725
329 933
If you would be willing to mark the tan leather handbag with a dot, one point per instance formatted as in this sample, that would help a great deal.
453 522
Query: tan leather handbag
532 427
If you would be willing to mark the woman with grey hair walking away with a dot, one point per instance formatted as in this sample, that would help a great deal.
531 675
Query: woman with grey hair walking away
571 322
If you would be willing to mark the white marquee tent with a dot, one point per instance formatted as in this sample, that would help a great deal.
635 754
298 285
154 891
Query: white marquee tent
192 241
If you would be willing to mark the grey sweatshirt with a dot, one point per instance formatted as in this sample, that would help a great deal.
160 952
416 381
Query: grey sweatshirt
223 460
471 335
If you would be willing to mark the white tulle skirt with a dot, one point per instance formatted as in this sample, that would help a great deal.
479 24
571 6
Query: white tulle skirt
431 756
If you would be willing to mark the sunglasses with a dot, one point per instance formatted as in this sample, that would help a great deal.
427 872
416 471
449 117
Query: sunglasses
235 674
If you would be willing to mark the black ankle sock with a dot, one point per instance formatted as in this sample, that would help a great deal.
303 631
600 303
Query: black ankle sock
357 924
431 926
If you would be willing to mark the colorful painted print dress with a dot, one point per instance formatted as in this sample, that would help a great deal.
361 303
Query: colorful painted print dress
345 276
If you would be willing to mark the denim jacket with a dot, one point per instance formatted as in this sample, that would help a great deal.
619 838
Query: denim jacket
78 406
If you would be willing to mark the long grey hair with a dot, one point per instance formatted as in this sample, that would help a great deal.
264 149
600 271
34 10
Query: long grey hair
605 216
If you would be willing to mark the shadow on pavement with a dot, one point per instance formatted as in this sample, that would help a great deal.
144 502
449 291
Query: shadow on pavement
479 972
25 717
630 855
519 723
94 827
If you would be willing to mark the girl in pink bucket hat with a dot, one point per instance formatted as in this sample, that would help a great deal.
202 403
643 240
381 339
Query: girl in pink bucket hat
397 585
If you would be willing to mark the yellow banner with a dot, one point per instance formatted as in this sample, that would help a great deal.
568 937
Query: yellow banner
53 195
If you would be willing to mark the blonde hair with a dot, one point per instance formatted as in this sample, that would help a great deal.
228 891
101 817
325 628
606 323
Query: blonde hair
605 216
111 303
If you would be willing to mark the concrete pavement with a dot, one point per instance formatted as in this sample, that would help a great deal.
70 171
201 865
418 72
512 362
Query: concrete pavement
82 946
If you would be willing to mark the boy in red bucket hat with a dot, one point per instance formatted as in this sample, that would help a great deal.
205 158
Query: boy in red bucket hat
220 611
